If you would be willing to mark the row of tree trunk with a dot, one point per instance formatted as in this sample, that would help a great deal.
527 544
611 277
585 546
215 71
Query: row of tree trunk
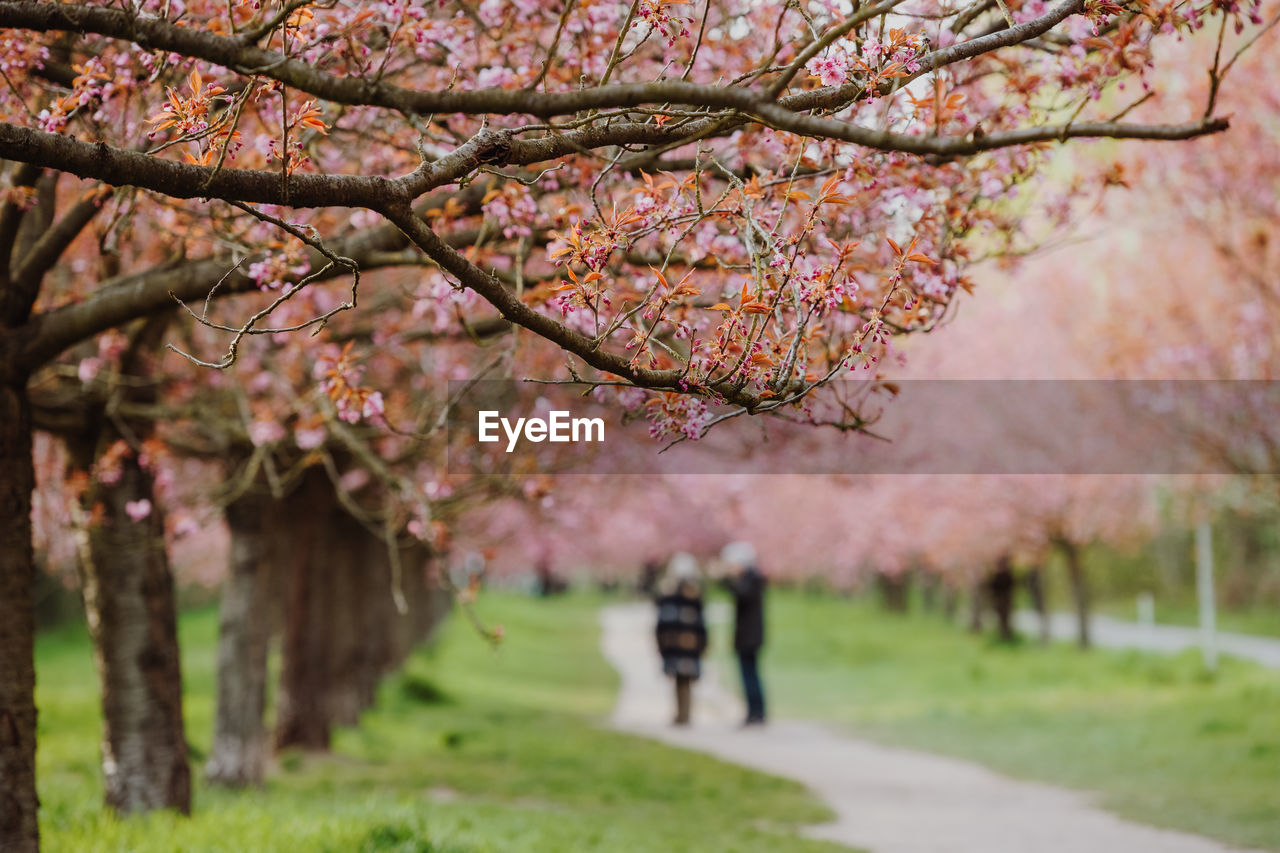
997 589
304 565
343 632
994 593
301 568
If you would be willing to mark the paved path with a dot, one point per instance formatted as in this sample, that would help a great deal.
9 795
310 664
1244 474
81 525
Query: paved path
1171 639
886 800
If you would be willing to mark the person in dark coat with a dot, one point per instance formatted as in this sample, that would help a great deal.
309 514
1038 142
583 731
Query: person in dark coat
747 584
649 575
549 583
681 630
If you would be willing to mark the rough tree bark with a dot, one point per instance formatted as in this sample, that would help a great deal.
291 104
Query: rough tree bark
435 601
302 712
353 582
129 604
342 632
366 623
380 620
425 602
19 830
129 601
239 753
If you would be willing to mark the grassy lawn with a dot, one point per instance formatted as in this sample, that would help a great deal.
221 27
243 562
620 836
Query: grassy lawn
1259 619
469 749
1158 739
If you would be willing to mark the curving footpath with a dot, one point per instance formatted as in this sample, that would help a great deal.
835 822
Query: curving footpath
886 800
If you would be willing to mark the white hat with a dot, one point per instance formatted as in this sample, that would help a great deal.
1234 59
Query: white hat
741 554
682 567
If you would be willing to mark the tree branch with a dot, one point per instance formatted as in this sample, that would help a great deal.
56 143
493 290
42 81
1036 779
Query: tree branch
121 168
24 175
233 53
50 245
182 180
512 309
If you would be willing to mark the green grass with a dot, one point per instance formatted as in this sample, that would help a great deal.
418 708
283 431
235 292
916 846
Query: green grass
1160 740
1259 619
469 749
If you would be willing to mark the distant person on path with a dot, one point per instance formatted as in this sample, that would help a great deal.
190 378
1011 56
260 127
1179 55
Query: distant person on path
681 630
649 574
743 578
549 583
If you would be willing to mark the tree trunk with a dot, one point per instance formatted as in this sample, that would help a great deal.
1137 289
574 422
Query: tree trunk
367 623
129 604
977 603
302 712
436 600
894 590
1000 589
950 601
381 620
1039 601
129 599
1079 591
342 631
929 583
424 611
1245 558
19 830
353 582
1170 548
239 753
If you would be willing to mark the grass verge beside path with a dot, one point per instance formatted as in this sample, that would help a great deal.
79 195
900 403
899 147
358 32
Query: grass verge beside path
469 749
1158 739
1259 619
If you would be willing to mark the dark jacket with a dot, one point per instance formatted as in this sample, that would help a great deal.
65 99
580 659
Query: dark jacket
681 631
748 598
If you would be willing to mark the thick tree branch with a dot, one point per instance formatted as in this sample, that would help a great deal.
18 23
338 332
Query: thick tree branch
130 296
182 180
1003 38
50 245
492 290
738 105
234 53
509 305
122 168
11 212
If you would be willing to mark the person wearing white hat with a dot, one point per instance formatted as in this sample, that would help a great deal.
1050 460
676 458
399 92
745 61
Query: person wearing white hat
743 578
681 630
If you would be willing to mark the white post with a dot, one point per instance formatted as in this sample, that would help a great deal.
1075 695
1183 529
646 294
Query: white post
1147 614
1204 588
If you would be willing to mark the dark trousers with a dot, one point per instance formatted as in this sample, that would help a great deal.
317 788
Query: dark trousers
749 664
684 698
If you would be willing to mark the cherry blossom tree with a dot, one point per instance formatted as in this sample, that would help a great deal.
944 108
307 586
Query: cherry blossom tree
674 205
